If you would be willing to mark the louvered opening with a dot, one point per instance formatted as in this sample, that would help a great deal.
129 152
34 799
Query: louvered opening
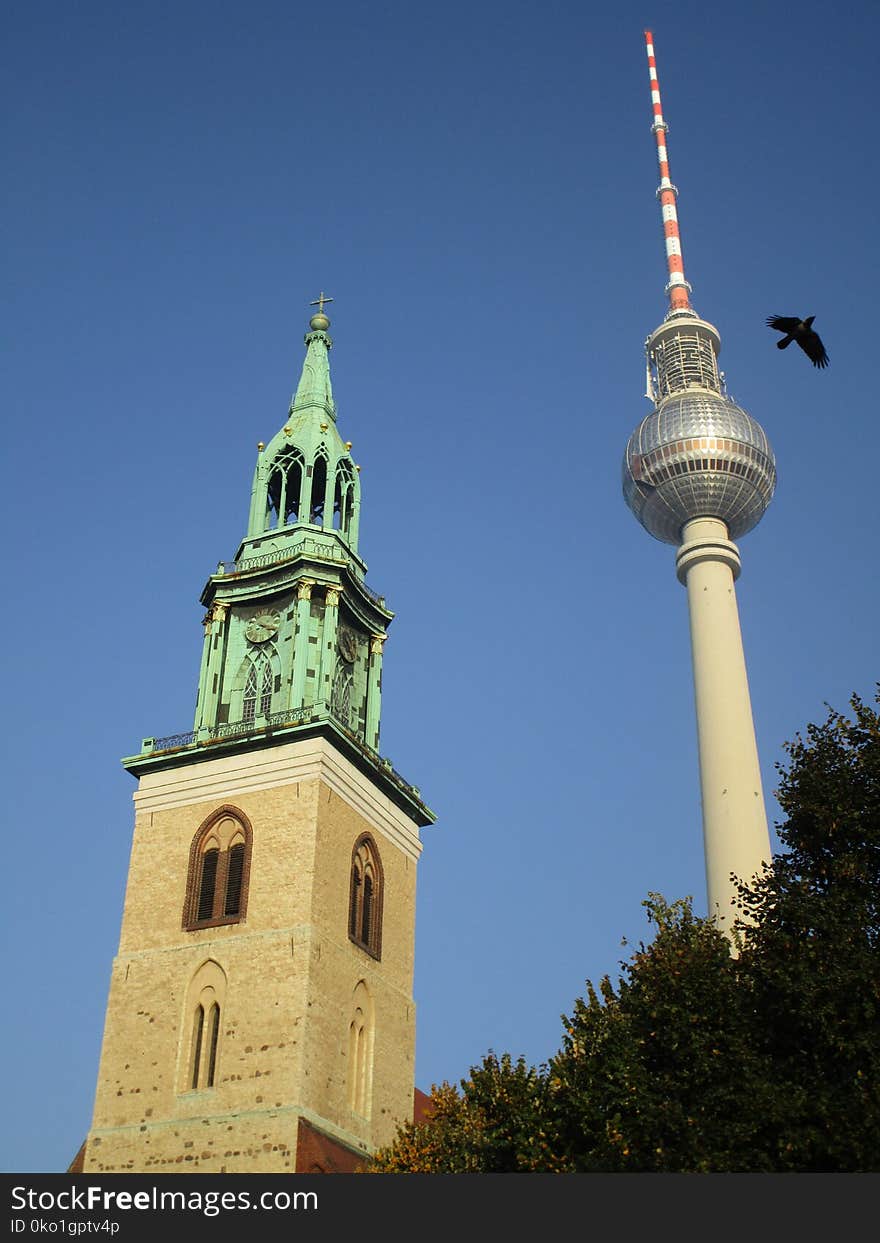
367 910
207 884
354 903
234 880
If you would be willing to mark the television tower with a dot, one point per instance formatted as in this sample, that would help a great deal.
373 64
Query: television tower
699 472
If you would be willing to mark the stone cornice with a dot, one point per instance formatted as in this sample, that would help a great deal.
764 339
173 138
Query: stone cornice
314 758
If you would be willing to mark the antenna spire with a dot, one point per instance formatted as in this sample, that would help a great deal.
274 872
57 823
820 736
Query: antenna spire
677 287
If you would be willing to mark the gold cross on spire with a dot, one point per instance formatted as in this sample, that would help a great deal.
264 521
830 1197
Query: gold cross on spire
319 302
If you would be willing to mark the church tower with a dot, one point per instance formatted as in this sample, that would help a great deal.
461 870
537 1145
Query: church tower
260 1016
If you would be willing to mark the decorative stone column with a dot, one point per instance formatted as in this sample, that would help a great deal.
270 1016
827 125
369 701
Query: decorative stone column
328 645
301 641
329 489
374 689
257 515
212 661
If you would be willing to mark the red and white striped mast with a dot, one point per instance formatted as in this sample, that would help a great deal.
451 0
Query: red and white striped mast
677 287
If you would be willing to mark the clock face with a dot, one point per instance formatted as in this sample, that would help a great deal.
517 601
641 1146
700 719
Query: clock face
263 625
347 645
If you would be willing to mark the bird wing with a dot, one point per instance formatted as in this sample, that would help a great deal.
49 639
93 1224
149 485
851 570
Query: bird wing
783 323
811 344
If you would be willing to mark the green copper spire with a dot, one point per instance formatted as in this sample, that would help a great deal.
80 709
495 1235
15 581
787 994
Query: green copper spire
293 637
314 391
305 476
292 628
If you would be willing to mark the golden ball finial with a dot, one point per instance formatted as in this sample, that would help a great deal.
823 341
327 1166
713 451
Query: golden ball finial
319 321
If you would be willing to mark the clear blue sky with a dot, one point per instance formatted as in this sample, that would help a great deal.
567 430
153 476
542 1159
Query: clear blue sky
474 185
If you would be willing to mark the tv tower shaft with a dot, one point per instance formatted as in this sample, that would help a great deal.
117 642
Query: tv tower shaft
736 840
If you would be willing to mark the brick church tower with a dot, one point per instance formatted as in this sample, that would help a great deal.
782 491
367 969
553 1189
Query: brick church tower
260 1016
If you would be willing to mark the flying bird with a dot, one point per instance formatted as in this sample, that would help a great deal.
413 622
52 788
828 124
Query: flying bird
800 330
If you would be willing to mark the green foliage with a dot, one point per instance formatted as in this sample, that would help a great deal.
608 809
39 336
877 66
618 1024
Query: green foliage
811 964
493 1125
700 1060
643 1080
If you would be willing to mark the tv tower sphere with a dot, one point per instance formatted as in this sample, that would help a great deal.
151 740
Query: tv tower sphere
697 454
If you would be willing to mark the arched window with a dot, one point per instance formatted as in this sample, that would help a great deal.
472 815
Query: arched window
219 871
285 486
204 998
343 494
319 488
257 688
360 1051
365 897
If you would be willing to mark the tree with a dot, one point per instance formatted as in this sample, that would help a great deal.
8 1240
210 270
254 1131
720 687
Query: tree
698 1060
811 963
494 1125
660 1074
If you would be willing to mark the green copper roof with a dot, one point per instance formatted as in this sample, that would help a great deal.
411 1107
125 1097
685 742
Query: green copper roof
305 475
314 391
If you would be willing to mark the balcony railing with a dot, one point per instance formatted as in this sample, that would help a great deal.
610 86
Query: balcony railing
261 725
232 729
307 546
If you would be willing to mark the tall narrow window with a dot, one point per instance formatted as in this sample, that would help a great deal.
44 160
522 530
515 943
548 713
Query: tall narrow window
196 1059
294 488
365 897
212 1050
205 999
355 904
367 909
319 488
360 1051
257 688
342 497
208 883
266 688
234 879
249 700
337 502
219 871
203 1065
